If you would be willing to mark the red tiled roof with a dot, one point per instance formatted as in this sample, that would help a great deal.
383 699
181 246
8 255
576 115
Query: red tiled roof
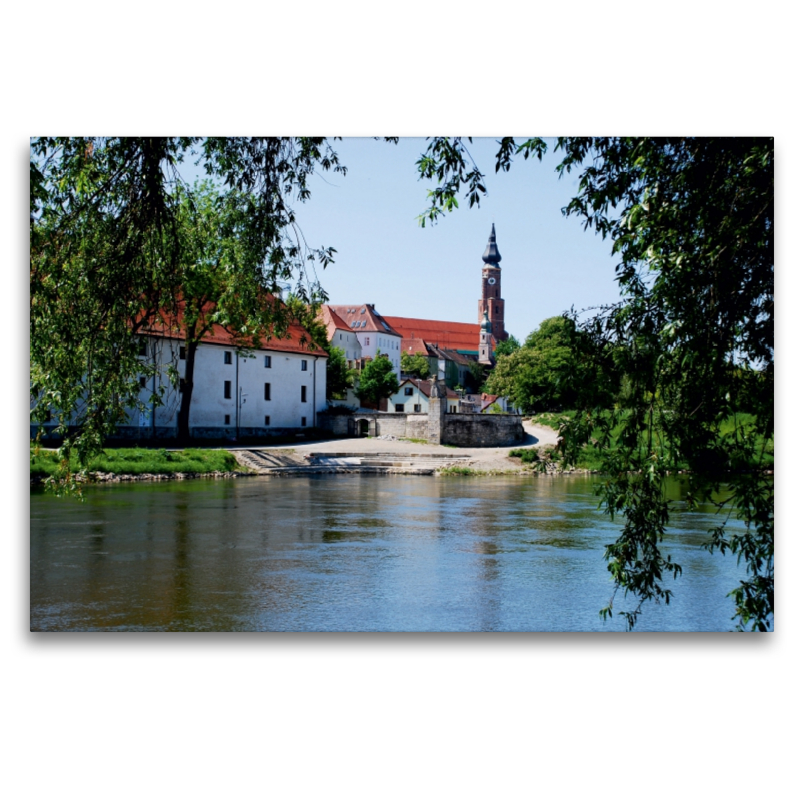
332 321
415 347
367 317
297 338
450 335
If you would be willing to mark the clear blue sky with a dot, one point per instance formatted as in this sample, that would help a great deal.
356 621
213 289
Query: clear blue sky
384 257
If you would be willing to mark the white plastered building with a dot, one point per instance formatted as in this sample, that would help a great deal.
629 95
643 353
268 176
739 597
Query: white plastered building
373 332
276 388
341 336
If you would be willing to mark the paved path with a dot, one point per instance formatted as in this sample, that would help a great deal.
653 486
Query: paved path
479 457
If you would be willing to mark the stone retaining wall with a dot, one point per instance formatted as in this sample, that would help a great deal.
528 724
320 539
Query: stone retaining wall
482 430
462 430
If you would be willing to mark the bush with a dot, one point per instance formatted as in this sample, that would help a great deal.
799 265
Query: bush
527 456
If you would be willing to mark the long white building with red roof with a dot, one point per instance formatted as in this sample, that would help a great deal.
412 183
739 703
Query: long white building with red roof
274 388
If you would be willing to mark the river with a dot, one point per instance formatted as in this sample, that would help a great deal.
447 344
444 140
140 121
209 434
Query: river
352 553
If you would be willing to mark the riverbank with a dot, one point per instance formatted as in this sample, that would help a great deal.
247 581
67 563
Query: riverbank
140 464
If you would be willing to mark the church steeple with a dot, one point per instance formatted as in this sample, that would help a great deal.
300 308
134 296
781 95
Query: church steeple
492 255
491 303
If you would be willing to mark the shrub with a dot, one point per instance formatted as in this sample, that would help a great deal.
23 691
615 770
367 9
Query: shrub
526 455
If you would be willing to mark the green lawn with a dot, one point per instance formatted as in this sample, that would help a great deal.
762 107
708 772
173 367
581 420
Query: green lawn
140 460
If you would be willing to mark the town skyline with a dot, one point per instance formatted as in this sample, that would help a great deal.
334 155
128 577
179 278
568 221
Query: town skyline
386 258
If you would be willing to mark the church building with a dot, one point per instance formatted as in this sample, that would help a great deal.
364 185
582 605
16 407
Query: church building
449 346
464 340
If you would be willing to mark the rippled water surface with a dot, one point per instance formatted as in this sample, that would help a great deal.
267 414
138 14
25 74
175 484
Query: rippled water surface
351 553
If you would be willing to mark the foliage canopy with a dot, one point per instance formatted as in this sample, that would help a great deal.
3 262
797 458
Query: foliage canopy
547 372
117 241
339 378
691 221
416 365
378 380
507 346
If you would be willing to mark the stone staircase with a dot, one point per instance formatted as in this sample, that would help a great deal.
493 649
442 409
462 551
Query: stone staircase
266 463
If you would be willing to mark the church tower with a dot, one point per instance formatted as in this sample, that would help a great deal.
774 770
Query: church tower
491 304
485 354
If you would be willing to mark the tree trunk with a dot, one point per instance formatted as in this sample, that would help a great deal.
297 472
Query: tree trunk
184 434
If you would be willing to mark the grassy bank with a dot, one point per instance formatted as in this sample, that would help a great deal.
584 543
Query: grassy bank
474 472
591 456
141 461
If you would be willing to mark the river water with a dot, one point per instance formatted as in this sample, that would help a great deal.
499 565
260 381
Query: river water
352 553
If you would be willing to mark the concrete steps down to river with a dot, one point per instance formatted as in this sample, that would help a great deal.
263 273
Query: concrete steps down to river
266 462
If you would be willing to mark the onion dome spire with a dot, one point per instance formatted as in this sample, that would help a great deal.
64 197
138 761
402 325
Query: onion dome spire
486 325
492 255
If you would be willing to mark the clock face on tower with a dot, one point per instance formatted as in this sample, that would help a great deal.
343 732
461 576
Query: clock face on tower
491 281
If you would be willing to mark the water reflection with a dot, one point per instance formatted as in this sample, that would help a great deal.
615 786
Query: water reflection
350 553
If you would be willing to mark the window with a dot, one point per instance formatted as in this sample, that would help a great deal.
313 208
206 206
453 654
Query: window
142 347
182 353
267 362
409 391
228 357
302 394
399 407
302 422
266 419
417 408
227 419
143 382
304 365
227 390
267 391
182 385
367 340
